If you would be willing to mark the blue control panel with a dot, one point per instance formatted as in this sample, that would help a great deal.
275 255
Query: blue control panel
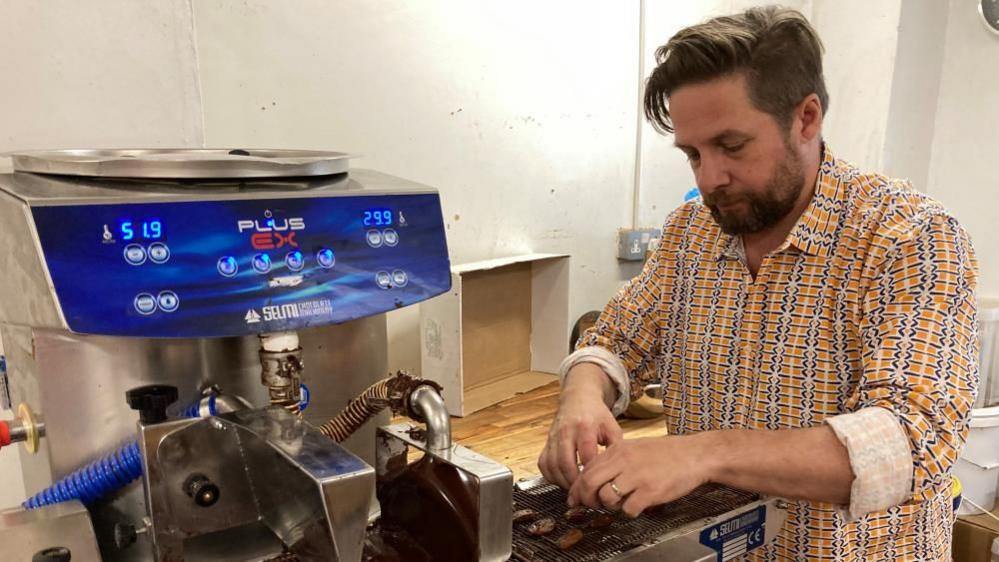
226 268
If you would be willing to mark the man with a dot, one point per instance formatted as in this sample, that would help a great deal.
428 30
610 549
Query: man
813 326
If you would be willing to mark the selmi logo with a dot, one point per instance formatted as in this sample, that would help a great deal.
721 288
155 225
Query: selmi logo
272 233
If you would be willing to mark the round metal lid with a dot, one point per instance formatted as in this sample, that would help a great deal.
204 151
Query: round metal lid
183 163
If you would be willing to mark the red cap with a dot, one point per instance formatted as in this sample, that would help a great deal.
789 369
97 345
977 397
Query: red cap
4 434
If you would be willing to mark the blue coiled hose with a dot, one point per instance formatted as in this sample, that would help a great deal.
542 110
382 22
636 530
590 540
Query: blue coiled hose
107 474
94 481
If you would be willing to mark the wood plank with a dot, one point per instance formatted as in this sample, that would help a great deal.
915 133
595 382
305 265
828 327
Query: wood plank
499 389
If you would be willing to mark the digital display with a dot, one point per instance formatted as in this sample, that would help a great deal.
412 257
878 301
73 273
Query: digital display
378 217
189 269
140 230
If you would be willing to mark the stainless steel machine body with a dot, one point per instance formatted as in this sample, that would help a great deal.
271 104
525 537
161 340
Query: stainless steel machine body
78 382
149 275
310 493
23 533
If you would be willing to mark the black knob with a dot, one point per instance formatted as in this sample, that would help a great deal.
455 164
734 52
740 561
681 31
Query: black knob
151 401
53 554
204 492
124 535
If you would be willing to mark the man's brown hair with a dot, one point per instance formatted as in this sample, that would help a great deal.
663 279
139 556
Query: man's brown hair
775 48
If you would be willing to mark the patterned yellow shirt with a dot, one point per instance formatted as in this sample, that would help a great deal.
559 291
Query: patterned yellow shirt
865 313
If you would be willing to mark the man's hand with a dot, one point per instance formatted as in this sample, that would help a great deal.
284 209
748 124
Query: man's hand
583 422
809 464
632 475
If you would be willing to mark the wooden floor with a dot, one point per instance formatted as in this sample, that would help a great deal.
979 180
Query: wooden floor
513 432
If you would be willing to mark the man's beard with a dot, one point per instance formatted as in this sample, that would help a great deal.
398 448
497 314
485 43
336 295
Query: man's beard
765 210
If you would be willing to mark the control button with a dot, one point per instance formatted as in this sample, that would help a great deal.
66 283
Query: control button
261 263
374 238
158 252
399 278
326 258
228 266
295 260
135 254
383 279
168 301
145 303
391 237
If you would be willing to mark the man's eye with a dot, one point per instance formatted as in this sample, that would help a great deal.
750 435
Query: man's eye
733 148
693 156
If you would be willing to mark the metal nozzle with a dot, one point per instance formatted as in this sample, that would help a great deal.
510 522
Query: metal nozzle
427 403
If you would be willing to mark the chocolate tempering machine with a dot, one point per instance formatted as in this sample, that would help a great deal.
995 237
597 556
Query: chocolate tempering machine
193 342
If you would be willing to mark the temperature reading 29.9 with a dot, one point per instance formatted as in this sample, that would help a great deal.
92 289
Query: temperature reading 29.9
378 217
144 230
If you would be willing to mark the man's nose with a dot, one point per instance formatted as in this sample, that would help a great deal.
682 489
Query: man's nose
712 173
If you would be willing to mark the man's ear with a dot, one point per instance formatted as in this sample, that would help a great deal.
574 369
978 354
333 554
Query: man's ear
806 122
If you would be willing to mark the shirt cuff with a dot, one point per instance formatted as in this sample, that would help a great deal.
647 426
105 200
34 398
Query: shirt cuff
880 458
611 365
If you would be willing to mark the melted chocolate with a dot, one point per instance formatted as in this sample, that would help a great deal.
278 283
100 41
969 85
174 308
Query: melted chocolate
436 502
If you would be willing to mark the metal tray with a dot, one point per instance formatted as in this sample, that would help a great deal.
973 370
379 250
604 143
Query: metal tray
183 163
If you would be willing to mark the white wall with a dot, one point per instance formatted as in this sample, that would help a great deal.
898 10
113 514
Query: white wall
861 40
915 90
521 113
962 171
114 73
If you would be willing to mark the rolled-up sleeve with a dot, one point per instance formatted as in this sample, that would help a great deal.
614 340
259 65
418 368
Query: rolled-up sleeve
610 364
879 457
908 415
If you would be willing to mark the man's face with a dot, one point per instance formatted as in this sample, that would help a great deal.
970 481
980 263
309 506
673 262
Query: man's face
748 175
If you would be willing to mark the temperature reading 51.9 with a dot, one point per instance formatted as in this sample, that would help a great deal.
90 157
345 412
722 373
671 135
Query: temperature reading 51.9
378 217
145 230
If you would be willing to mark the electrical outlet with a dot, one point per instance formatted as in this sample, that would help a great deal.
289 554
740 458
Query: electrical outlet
632 243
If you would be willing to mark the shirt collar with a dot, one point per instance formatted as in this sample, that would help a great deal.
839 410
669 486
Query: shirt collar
814 233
